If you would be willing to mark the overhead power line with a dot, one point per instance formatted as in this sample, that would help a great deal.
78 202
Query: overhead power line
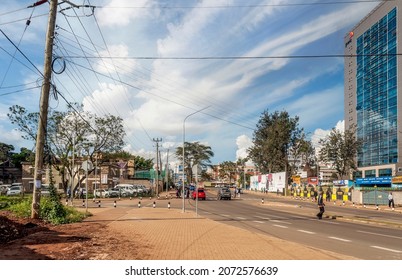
244 6
235 57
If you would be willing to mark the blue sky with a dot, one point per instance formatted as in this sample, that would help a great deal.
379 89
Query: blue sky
154 96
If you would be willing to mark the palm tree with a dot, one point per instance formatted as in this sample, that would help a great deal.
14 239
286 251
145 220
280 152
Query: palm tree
194 154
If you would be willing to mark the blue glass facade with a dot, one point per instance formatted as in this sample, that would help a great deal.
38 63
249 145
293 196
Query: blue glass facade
376 81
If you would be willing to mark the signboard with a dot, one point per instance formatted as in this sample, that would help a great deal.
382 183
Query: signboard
268 182
374 181
104 178
397 180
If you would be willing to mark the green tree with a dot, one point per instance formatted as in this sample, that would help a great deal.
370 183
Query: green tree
340 150
274 136
141 163
5 152
301 152
194 154
25 155
243 176
73 132
227 170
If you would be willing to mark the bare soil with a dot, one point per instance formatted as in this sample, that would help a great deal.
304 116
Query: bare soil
29 239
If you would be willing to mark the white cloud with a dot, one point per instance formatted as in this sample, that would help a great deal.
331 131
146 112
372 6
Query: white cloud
243 142
108 66
117 12
319 134
109 98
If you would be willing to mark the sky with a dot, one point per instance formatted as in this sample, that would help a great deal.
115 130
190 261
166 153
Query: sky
179 70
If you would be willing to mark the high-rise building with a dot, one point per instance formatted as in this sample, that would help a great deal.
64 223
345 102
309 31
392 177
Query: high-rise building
373 89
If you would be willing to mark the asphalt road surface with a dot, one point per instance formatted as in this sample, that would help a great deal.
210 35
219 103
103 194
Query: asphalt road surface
354 231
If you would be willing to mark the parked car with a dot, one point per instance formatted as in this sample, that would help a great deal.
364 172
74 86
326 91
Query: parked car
4 188
224 193
201 194
99 193
44 190
126 189
112 193
14 190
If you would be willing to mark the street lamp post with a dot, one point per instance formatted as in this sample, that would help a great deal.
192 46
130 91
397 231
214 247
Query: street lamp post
184 139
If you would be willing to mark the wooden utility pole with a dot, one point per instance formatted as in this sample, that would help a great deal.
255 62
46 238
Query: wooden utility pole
43 106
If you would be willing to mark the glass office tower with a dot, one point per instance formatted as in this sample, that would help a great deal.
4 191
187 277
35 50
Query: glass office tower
372 89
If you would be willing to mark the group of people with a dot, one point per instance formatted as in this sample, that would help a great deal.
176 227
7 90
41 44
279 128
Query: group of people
321 204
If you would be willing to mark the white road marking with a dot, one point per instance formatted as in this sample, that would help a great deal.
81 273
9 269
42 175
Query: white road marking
240 218
334 223
260 222
283 222
339 239
379 234
280 226
261 217
386 249
306 231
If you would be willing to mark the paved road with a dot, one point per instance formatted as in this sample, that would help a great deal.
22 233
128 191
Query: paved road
354 232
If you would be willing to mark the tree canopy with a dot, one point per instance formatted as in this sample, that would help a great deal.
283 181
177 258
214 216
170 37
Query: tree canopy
73 132
276 134
340 150
194 154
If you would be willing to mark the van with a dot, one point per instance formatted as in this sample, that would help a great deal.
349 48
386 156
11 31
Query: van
14 190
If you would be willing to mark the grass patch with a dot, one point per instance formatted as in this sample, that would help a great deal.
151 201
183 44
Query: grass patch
50 210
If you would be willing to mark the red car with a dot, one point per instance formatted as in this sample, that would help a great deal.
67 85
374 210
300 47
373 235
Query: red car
201 194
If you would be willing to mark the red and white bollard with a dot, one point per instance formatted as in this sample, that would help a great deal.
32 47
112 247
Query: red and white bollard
262 200
139 204
154 204
169 205
114 204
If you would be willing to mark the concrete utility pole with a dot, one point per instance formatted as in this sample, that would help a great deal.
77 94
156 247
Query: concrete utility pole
157 140
44 104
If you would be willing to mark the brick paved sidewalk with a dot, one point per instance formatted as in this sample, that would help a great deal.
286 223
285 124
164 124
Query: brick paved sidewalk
170 234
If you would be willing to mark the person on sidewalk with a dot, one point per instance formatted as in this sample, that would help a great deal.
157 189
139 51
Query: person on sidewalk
321 205
391 201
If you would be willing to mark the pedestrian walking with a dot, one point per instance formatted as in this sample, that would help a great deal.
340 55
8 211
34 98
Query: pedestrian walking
321 206
391 201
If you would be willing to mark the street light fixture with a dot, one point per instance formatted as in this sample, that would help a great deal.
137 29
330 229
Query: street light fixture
184 139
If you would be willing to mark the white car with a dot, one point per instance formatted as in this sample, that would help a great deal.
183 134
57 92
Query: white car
14 190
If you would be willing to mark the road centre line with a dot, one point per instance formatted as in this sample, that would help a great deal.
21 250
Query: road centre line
260 222
339 239
306 231
241 218
386 249
281 226
379 234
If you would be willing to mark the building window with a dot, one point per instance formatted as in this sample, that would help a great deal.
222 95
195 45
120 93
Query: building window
376 92
385 172
369 174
